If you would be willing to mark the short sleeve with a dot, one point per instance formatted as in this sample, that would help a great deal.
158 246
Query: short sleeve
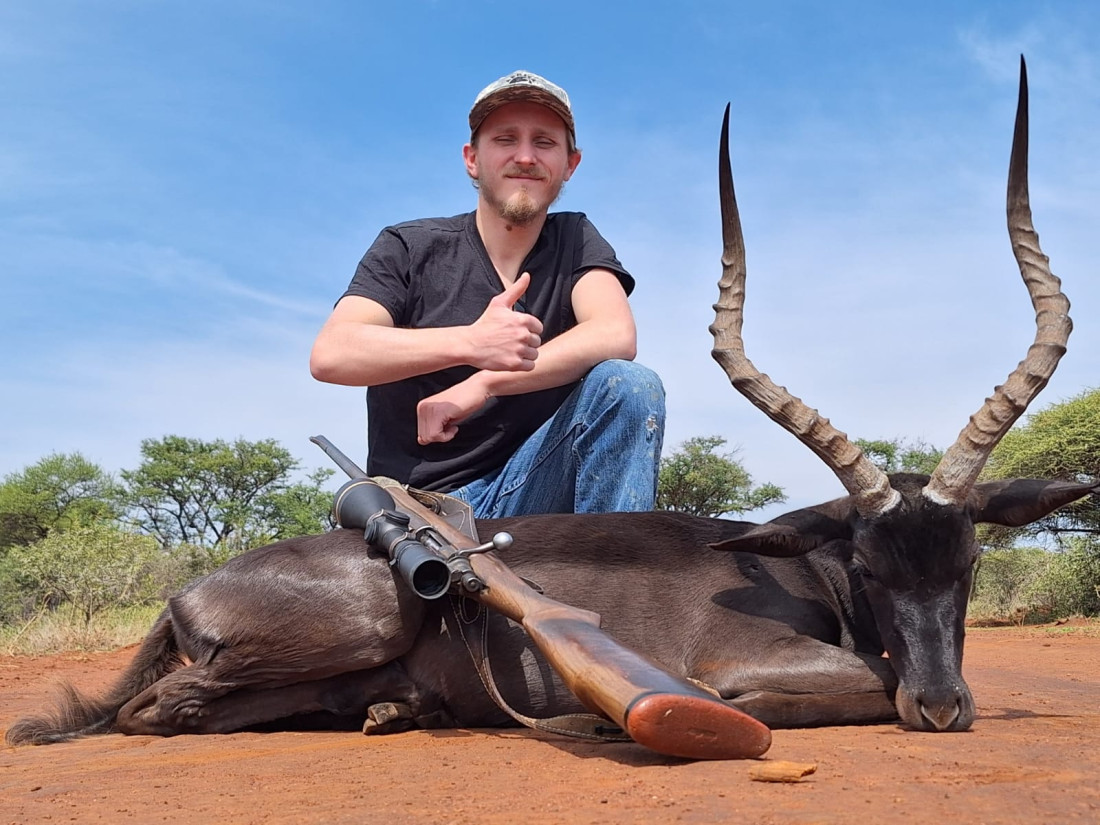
383 274
593 252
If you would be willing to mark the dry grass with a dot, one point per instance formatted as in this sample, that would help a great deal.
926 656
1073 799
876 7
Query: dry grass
1074 626
59 631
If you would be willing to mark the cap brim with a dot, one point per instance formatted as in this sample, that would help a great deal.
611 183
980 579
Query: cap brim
519 94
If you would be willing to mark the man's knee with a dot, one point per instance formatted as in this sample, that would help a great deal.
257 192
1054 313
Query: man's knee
628 383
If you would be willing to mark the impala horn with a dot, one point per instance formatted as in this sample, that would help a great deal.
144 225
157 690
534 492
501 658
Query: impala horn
960 466
868 485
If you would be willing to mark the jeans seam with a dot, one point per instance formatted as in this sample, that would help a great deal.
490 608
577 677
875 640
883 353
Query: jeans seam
543 455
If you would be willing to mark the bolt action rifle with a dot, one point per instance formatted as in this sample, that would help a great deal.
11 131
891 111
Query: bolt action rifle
664 712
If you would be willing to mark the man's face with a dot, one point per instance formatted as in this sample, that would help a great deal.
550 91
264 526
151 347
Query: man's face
521 160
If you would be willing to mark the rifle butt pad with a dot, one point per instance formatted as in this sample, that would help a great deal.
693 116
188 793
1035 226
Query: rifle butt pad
695 727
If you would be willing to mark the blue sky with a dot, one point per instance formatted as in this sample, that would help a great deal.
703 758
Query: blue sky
186 188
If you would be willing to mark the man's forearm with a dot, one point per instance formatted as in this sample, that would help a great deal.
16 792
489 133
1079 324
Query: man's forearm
560 361
360 346
363 355
564 359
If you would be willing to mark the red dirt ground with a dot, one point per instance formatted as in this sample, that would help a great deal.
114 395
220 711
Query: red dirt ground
1033 755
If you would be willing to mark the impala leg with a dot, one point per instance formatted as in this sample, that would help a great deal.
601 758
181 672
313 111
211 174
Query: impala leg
808 710
803 682
187 702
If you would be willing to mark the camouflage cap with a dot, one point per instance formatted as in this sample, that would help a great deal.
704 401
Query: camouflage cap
522 86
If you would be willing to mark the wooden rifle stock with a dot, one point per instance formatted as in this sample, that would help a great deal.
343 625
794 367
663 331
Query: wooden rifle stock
655 708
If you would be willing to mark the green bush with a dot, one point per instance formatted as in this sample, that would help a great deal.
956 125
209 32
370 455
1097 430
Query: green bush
89 568
1030 583
15 604
1073 580
1007 582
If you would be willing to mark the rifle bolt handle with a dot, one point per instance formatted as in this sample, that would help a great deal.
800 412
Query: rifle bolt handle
501 541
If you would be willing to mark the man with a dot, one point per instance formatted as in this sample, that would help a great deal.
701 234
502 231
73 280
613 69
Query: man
497 346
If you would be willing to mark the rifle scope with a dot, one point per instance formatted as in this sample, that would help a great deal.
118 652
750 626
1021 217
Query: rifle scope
363 505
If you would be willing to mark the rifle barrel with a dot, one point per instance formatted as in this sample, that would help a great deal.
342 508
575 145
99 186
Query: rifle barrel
352 469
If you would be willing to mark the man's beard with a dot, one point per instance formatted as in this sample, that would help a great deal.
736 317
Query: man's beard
519 208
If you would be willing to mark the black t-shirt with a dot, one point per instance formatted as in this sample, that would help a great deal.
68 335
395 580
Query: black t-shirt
436 273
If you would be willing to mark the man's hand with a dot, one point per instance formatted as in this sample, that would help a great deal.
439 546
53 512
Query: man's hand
503 339
438 416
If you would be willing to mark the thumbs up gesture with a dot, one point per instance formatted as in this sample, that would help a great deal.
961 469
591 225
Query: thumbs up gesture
503 339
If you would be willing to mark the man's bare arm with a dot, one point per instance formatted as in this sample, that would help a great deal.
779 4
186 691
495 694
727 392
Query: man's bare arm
360 346
605 329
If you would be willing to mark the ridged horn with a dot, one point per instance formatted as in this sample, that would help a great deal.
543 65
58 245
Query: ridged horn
958 470
863 480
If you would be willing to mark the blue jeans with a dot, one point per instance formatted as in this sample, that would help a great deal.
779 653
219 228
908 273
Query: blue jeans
600 452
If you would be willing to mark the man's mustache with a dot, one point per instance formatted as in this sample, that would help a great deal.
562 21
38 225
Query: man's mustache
519 171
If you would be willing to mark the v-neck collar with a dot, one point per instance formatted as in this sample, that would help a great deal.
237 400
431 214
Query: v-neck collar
490 271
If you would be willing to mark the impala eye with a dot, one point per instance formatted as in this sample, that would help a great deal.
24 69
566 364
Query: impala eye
864 572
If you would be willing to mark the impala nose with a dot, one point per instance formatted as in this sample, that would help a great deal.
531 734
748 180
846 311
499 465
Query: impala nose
938 709
941 717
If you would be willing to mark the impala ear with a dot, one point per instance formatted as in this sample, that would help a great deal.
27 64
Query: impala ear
771 540
1019 501
796 533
